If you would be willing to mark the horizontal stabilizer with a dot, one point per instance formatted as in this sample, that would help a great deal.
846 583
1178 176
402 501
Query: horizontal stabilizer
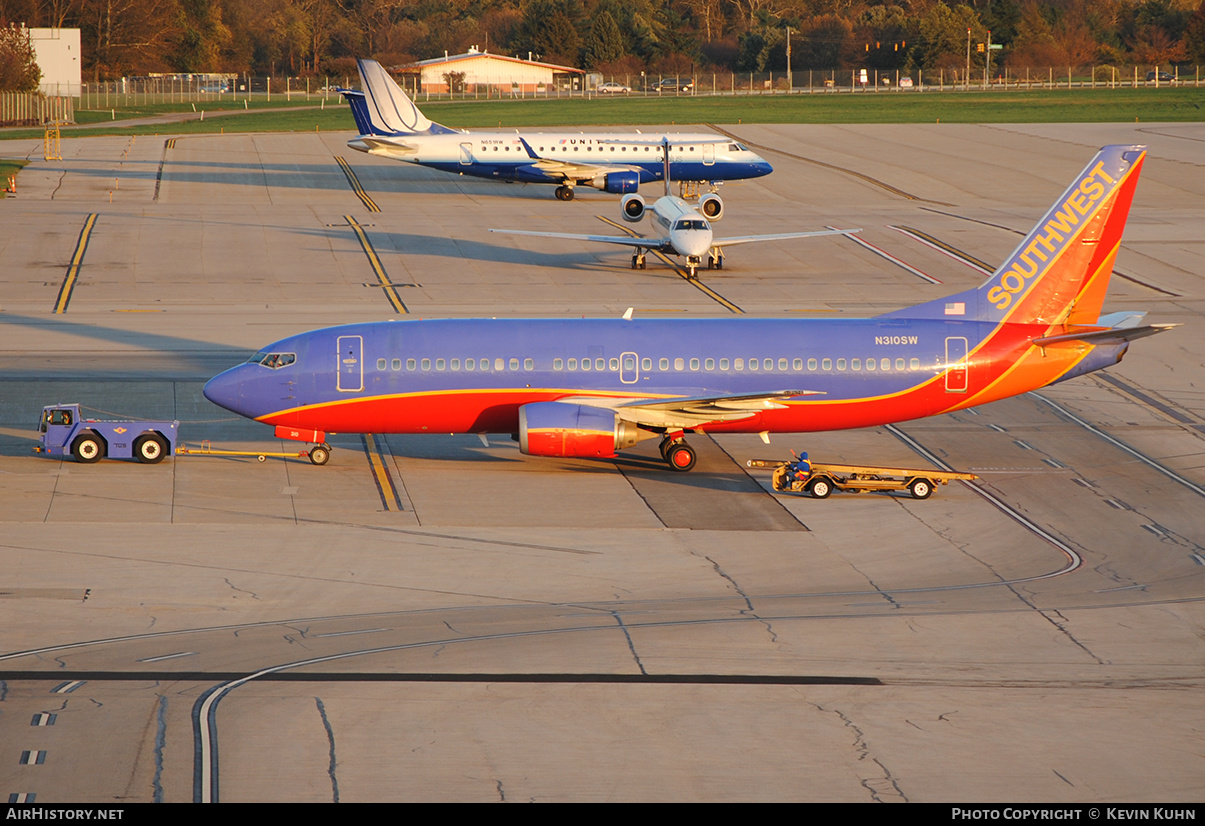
1105 335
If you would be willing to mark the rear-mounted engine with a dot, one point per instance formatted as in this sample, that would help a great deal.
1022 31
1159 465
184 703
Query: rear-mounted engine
632 208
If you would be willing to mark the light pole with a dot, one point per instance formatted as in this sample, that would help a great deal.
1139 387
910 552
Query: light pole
966 79
790 78
987 62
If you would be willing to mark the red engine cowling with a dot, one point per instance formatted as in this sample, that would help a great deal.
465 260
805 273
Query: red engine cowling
558 429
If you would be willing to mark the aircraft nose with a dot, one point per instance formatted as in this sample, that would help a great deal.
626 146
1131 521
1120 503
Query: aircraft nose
694 243
226 390
761 167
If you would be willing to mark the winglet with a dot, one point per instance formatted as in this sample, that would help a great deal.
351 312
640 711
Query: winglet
531 153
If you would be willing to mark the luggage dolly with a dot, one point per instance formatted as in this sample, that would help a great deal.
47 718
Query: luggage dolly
819 480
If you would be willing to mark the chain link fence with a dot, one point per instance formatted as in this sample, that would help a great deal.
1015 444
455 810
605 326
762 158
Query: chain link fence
22 109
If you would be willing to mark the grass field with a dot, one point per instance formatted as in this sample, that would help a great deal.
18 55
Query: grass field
1033 106
1036 106
9 167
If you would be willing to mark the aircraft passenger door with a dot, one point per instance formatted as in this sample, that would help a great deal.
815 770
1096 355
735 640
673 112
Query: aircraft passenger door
466 153
629 369
956 365
351 364
708 154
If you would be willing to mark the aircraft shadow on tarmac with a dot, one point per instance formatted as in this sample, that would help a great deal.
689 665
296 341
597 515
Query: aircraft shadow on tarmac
497 253
182 358
378 181
724 474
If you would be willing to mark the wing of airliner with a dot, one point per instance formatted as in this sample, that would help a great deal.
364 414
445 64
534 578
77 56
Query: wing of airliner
691 411
663 244
623 240
575 171
570 171
782 236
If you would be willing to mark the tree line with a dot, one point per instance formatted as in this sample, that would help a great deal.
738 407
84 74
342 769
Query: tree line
617 37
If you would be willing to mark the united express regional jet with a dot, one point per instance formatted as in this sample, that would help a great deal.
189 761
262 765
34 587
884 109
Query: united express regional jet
590 387
393 127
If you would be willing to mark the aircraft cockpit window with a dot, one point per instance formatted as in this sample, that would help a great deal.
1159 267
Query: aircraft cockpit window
690 224
273 361
732 147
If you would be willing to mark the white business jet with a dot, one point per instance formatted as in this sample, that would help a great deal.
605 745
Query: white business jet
682 226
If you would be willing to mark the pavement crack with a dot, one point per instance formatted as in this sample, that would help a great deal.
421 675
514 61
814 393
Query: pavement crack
631 645
881 784
749 609
330 738
252 594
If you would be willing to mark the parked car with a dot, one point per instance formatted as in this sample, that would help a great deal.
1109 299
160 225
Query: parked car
905 83
613 88
1162 77
674 84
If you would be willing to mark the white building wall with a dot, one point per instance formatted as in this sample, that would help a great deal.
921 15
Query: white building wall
58 54
488 70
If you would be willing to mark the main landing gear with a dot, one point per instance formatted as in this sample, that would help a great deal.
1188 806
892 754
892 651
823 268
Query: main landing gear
564 192
677 453
715 260
638 259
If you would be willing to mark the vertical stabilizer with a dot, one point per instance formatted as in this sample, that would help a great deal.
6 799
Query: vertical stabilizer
1059 274
389 109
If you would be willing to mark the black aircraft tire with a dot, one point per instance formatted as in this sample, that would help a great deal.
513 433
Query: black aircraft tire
320 455
680 457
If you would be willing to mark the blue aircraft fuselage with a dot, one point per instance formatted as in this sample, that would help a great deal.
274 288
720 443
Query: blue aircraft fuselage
589 387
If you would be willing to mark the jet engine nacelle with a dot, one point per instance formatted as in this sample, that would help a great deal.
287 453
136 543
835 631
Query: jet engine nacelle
617 183
711 206
559 429
632 208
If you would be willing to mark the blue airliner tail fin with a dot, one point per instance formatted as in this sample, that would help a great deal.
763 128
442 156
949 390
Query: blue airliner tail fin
1060 273
383 108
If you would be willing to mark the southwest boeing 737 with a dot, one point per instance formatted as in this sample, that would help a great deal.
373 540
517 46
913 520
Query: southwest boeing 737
590 387
392 126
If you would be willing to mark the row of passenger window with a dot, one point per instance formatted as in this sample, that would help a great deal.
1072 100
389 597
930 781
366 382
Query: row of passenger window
679 364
